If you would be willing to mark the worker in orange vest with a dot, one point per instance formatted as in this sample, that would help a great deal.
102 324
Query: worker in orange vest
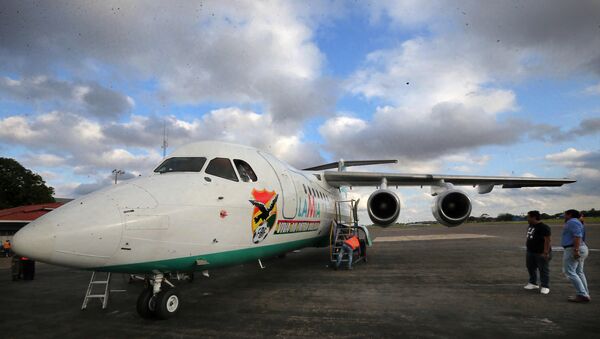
349 245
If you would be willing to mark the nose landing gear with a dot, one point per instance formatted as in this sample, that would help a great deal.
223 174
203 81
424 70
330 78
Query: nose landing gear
159 300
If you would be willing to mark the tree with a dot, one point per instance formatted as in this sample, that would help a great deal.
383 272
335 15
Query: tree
20 186
505 217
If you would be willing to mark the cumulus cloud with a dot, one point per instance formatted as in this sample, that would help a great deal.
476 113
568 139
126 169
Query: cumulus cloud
251 52
44 160
423 72
446 91
393 132
583 165
100 182
91 148
515 38
85 97
441 94
437 100
227 124
552 133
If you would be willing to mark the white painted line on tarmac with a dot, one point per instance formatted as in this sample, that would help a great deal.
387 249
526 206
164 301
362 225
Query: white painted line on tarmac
560 249
432 237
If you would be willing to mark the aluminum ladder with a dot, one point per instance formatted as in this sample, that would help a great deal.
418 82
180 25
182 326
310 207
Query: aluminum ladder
339 234
90 291
342 227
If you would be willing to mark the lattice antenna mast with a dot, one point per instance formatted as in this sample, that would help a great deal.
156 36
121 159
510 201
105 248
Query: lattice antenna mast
165 142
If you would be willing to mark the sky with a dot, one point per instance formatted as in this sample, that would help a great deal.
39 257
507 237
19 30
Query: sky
448 87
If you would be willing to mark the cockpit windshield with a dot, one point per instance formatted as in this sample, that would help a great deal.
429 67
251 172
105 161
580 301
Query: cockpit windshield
181 164
246 172
221 167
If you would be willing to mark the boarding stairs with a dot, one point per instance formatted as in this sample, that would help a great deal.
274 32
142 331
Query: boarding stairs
103 294
343 227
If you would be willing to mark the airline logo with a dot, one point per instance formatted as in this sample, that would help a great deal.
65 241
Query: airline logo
264 213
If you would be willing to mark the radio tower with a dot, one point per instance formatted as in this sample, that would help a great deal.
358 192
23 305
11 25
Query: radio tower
165 144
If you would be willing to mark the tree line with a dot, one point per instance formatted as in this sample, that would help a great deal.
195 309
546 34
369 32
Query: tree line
514 217
20 186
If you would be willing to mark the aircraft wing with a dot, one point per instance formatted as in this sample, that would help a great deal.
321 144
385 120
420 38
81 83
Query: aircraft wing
486 183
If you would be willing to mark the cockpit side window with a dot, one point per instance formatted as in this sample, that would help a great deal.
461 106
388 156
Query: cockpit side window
245 171
181 164
221 167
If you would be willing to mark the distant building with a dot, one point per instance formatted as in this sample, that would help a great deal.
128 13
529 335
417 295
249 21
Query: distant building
13 219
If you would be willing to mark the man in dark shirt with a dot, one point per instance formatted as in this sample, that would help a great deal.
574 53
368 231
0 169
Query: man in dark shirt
538 252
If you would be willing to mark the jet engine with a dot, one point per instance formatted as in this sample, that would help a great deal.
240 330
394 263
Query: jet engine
451 207
383 207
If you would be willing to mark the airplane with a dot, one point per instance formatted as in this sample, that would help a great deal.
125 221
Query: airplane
215 204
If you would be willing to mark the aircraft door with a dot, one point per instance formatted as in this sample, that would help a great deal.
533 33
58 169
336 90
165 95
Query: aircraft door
288 189
290 196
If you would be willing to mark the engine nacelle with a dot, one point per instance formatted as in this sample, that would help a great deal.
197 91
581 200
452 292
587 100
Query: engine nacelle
383 207
451 207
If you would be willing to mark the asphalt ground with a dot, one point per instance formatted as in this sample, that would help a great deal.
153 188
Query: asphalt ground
452 288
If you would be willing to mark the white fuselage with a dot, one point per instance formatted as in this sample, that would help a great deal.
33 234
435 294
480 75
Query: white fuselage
183 221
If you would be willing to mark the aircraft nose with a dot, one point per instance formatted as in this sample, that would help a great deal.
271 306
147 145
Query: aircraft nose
35 241
83 233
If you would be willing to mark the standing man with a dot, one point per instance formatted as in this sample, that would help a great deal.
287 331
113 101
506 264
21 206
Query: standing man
576 251
539 253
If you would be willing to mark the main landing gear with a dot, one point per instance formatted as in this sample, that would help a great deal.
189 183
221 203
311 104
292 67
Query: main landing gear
159 299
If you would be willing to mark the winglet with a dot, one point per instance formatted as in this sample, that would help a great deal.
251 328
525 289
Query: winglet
343 163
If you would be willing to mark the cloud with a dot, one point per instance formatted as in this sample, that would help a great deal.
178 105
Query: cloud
101 182
85 97
44 160
52 131
227 124
573 157
445 91
195 52
393 132
583 166
592 90
435 101
421 73
92 148
551 133
513 38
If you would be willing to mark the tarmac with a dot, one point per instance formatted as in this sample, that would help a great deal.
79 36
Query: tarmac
421 281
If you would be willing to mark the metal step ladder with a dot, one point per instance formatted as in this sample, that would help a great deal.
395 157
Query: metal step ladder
341 233
90 291
345 225
345 217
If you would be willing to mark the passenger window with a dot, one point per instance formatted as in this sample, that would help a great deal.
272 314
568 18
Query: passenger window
221 167
181 164
245 171
304 189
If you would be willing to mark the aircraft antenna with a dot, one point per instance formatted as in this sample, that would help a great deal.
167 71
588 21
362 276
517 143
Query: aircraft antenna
165 143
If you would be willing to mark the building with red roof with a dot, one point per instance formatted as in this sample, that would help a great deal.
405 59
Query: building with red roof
13 219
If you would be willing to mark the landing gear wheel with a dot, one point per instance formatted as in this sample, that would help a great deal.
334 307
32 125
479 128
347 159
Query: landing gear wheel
146 304
167 304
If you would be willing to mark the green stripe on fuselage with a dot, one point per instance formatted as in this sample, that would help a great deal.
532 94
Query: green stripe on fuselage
215 260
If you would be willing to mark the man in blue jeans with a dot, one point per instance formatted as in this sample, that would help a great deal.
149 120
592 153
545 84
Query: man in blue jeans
348 246
576 251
